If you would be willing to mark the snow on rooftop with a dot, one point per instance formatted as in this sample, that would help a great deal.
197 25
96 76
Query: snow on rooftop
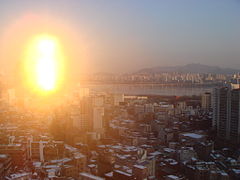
64 160
90 176
117 147
155 153
78 155
92 165
37 164
173 177
193 135
110 174
70 148
139 166
169 150
3 156
19 175
237 171
51 167
121 172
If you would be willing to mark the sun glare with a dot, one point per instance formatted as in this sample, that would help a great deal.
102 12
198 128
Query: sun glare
42 66
46 64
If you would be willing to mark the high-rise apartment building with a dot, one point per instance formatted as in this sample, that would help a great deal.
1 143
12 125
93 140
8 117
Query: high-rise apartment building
234 128
98 113
206 101
226 113
81 114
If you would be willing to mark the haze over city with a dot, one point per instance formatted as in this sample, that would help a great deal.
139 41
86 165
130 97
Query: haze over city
123 36
119 90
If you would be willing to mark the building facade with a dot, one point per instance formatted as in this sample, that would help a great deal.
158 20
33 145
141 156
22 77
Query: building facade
226 113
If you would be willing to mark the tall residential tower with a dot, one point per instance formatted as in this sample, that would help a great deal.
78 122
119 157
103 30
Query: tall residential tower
226 113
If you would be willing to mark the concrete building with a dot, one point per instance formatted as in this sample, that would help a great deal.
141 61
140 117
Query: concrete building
186 154
204 149
5 165
226 113
98 113
140 172
221 107
81 114
118 98
36 150
234 127
206 101
17 152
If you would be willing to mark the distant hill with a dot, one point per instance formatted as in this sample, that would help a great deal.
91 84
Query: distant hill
191 68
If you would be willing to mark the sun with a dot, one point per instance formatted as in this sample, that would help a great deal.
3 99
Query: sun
46 63
43 62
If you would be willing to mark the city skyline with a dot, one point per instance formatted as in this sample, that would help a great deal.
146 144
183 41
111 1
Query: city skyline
113 90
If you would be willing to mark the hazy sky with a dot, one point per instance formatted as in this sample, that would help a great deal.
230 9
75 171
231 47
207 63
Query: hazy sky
126 35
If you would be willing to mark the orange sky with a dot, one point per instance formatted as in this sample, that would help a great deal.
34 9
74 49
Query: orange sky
18 34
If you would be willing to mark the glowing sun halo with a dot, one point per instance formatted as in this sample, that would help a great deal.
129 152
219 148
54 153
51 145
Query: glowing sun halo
46 64
42 63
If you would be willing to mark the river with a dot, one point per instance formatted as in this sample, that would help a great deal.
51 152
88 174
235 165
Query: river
148 89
